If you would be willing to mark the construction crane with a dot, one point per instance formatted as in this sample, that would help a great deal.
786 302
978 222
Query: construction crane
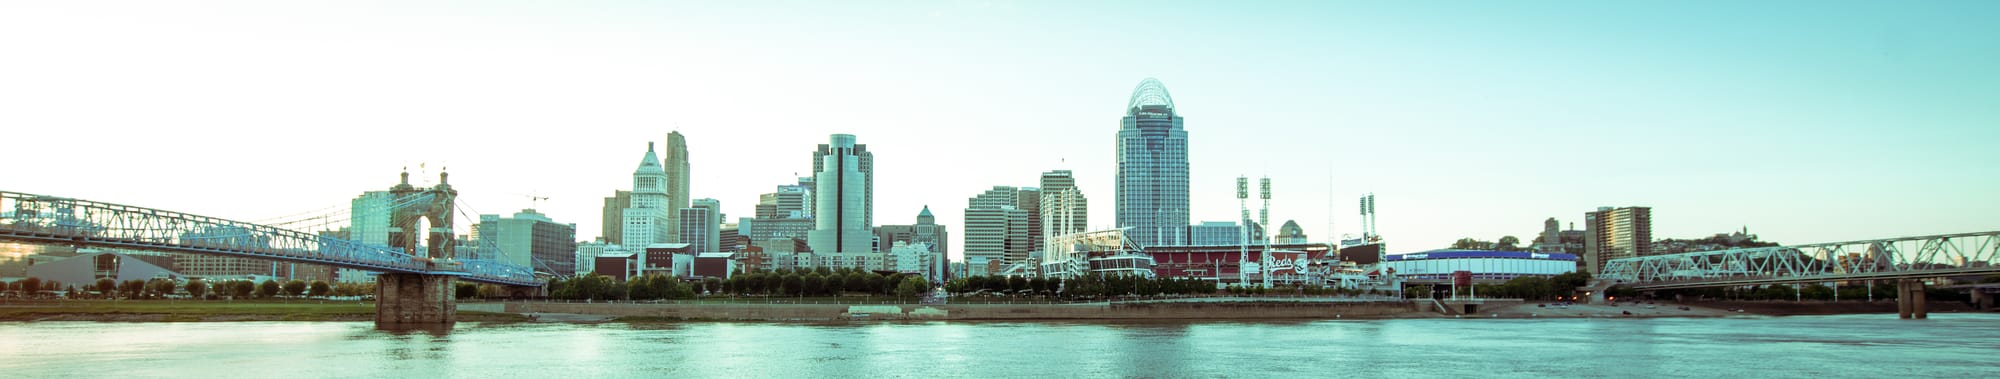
535 200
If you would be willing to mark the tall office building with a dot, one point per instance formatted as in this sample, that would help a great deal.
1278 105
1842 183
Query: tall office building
1029 199
1614 233
368 224
1063 208
701 225
995 229
1152 169
844 173
613 229
928 231
925 232
676 166
790 201
529 239
646 221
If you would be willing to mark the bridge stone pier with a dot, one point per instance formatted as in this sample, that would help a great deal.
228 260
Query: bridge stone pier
1981 300
406 299
1910 299
415 299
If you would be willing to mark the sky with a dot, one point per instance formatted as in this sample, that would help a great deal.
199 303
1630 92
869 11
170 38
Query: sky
1804 121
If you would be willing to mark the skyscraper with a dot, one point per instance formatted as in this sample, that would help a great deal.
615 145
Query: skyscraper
646 220
1152 168
529 239
926 232
1063 208
996 229
367 225
1613 233
1029 200
676 166
613 229
701 225
844 200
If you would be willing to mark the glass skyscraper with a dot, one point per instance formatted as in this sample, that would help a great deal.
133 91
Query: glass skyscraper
843 210
1152 169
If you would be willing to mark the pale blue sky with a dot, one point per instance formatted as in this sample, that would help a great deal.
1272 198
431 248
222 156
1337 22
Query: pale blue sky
1807 121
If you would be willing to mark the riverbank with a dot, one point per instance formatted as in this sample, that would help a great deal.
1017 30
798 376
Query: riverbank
210 311
1189 310
1543 310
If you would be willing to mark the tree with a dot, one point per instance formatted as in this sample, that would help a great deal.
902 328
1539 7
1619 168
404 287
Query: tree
321 289
889 284
267 289
242 288
31 286
161 287
1471 244
670 287
197 288
295 287
955 286
854 281
1509 243
813 284
711 285
107 288
462 290
912 286
641 288
794 285
1817 291
871 282
132 288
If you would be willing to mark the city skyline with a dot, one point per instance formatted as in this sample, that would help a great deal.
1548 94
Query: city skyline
1799 126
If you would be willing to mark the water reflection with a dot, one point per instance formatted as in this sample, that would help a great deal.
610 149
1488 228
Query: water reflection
1950 345
409 329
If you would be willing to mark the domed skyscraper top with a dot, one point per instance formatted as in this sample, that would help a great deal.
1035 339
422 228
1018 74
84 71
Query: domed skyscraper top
1150 97
1290 233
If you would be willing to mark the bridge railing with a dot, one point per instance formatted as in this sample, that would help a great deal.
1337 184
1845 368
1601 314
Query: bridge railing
1938 255
500 271
53 219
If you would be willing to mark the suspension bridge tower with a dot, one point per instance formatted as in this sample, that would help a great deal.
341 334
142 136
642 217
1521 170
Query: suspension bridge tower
420 298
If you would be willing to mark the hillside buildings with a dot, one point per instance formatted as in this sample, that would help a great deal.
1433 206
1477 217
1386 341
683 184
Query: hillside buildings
1613 233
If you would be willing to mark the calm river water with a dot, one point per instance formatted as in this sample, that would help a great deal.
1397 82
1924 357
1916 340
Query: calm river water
1874 346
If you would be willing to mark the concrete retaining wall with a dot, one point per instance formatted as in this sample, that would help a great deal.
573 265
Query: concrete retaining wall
1122 311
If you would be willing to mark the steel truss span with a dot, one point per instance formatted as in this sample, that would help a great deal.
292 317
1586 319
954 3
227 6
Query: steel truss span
56 220
1892 258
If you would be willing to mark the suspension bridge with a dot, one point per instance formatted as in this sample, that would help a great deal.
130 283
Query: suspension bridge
414 284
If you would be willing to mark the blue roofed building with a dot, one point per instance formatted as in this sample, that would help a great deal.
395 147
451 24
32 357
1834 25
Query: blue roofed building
1487 266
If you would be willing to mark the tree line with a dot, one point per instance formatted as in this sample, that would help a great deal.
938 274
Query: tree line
782 282
1535 287
157 288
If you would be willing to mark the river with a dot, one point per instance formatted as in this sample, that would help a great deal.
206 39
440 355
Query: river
1871 346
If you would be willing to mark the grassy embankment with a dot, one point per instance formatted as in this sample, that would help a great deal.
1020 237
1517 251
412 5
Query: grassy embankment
172 310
